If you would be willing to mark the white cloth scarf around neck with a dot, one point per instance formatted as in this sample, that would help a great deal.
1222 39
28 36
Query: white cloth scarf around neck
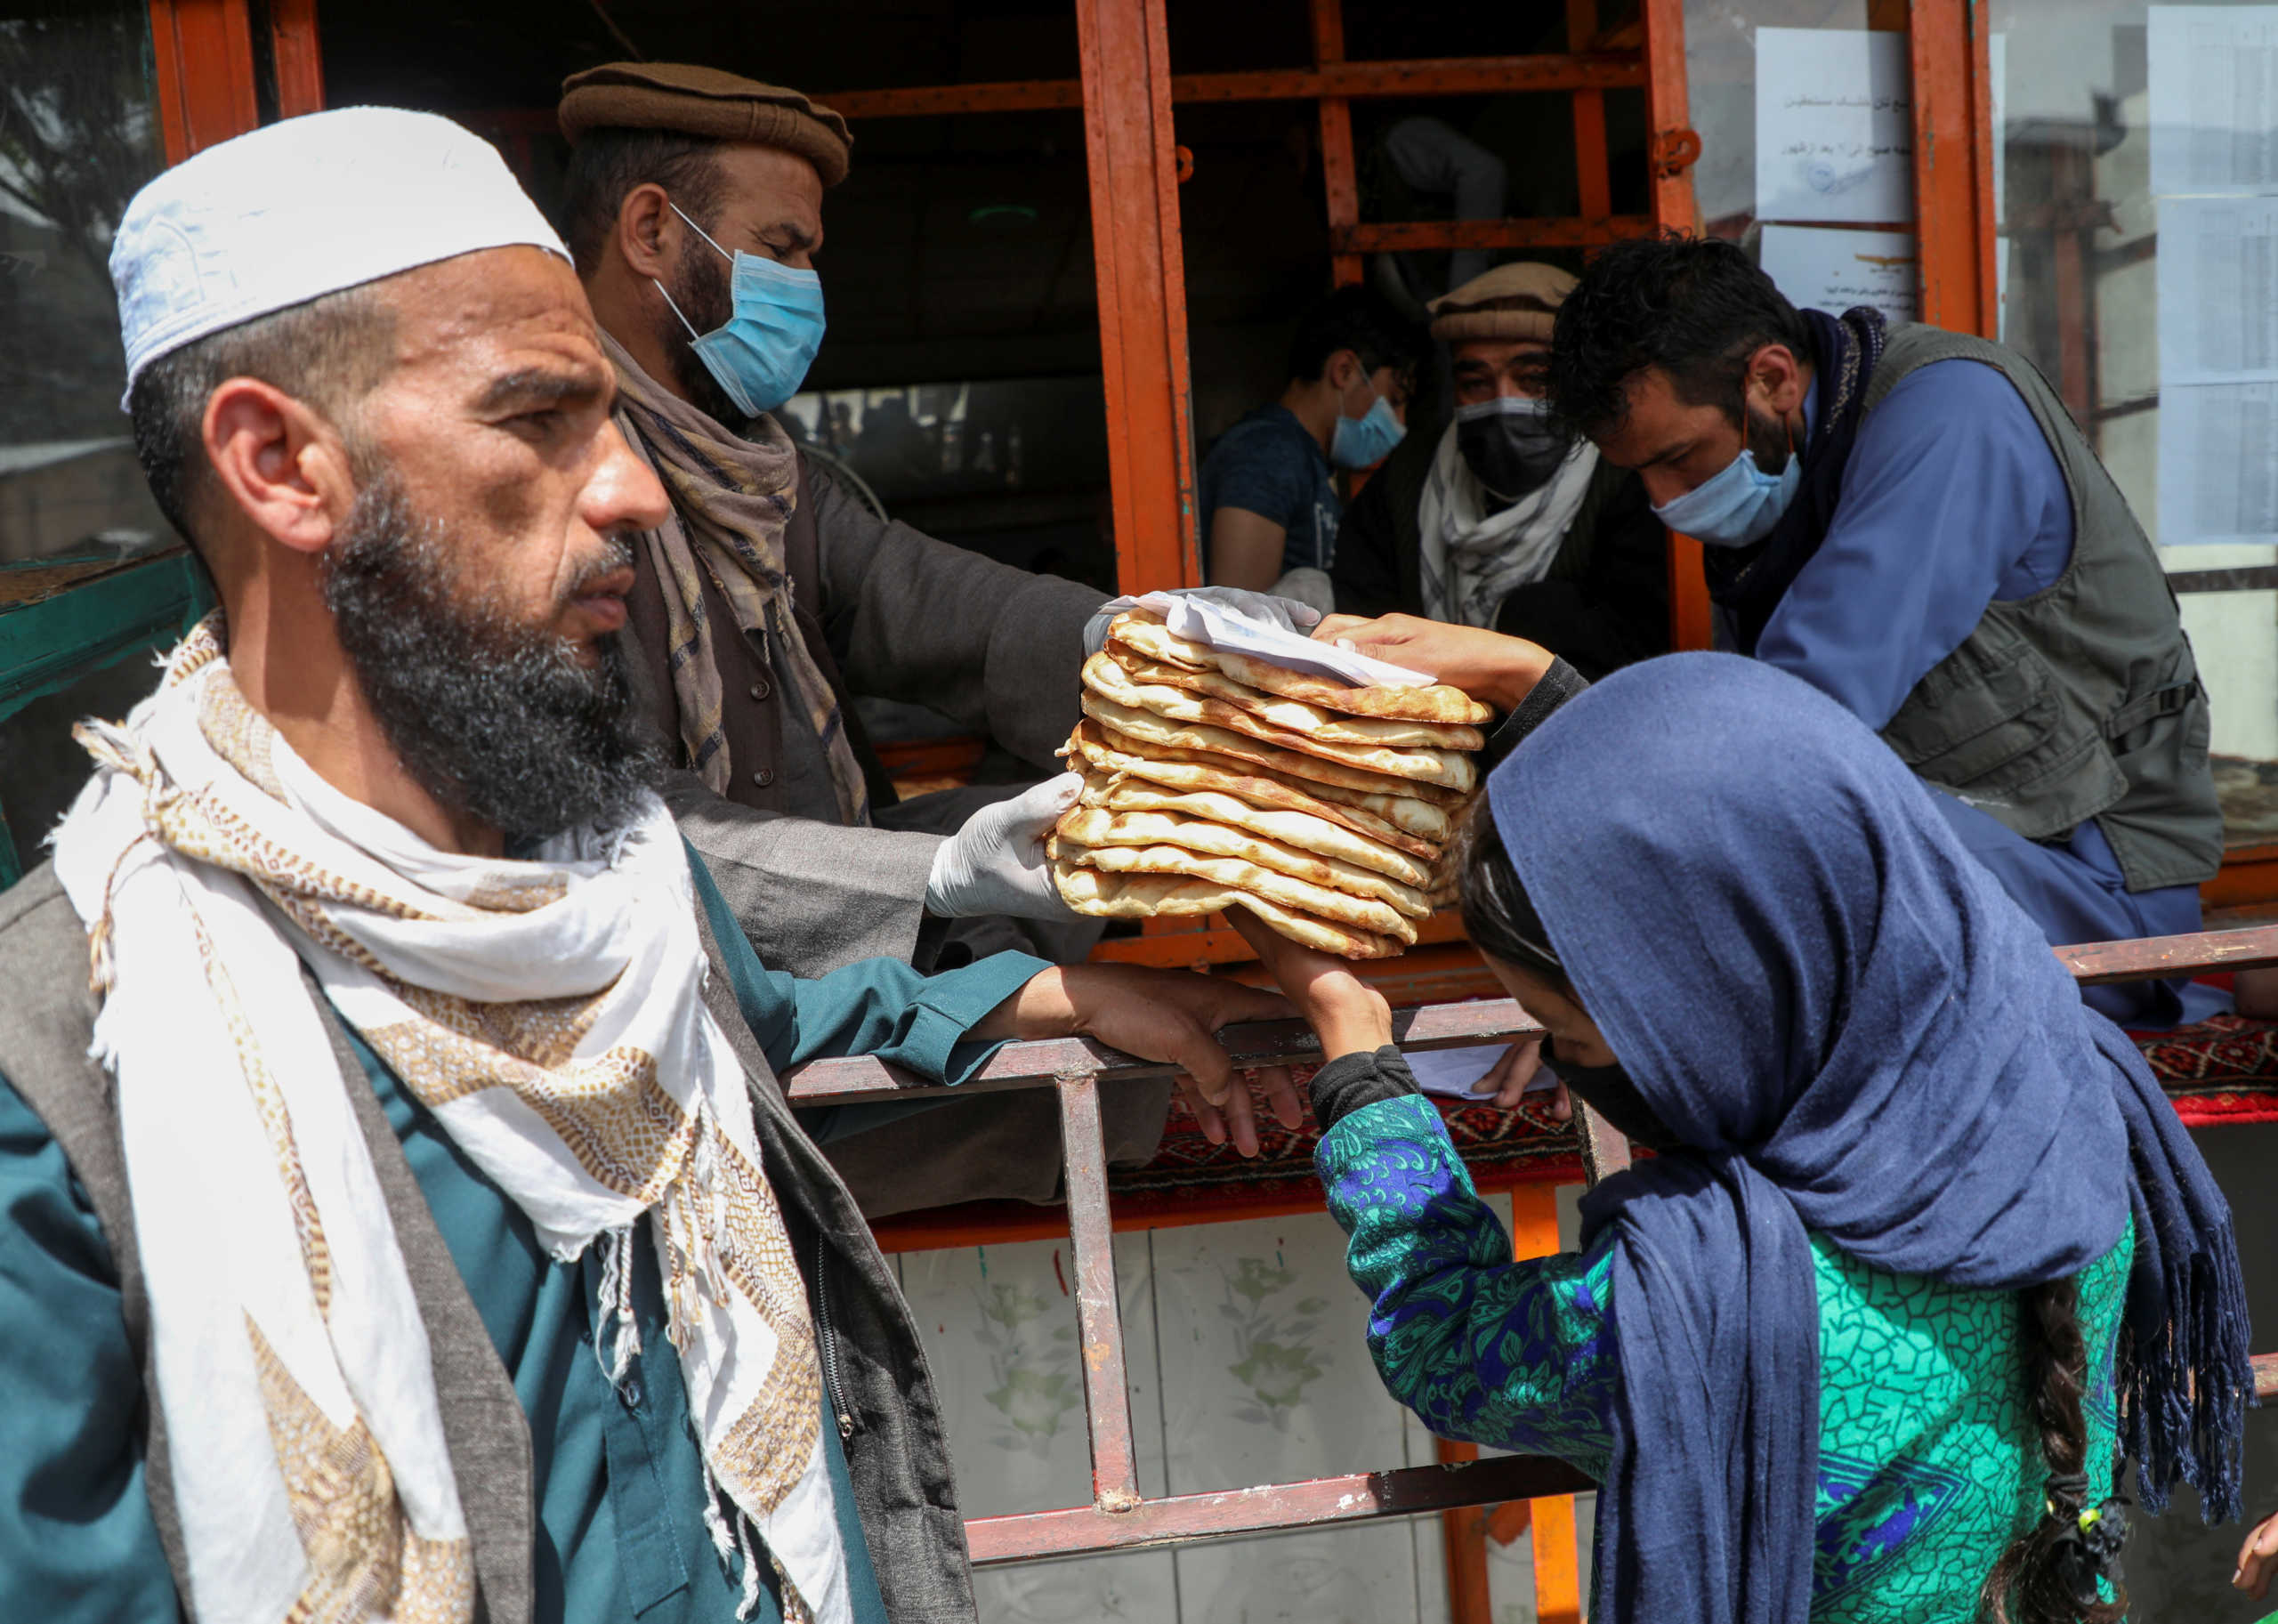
548 1012
1473 559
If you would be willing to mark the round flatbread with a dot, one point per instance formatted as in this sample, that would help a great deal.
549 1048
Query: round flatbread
1450 770
1319 837
1419 826
1146 896
1440 702
1097 826
1360 913
1294 715
1154 732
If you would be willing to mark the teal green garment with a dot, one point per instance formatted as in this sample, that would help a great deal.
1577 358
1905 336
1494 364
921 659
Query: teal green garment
1929 1464
616 1476
912 1020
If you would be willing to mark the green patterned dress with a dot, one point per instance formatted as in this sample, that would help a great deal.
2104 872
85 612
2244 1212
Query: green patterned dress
1927 1464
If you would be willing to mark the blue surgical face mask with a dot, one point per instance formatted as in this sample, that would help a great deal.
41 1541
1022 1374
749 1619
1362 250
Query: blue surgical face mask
1737 508
1364 441
761 356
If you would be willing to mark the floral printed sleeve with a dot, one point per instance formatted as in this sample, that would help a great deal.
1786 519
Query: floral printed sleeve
1517 1355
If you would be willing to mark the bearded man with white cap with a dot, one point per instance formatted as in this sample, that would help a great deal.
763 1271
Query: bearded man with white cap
404 1218
1505 521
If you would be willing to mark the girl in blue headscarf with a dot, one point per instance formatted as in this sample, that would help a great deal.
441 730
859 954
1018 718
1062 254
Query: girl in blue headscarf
1924 1247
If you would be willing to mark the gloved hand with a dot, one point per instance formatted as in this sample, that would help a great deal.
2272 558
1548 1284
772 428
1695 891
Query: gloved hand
995 864
1287 613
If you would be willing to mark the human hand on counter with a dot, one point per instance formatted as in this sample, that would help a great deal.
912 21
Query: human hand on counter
1506 1082
995 864
1170 1015
1490 668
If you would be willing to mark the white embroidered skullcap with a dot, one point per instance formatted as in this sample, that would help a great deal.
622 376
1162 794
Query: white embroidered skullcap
304 207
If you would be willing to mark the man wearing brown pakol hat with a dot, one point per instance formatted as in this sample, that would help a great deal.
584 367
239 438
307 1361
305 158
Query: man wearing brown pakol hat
1501 519
771 598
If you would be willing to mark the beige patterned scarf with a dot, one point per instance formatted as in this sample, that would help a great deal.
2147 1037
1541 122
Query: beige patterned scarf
547 1013
730 499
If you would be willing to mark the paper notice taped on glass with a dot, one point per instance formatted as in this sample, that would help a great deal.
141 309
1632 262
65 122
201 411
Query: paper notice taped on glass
1216 626
2218 290
1833 125
2218 464
1457 1072
1833 269
2212 79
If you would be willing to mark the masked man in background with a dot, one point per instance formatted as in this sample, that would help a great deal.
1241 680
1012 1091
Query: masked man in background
768 599
1506 521
1910 519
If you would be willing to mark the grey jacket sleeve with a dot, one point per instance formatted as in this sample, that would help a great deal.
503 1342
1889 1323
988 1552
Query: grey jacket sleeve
996 649
813 897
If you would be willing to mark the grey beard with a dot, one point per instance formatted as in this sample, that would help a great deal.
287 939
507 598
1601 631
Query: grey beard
495 718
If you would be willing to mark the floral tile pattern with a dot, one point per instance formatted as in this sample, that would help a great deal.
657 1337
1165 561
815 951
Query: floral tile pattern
1244 1350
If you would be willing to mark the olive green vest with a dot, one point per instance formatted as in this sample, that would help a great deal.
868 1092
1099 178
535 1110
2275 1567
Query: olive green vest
2082 700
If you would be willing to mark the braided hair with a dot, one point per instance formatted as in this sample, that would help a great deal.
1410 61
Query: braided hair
2049 1573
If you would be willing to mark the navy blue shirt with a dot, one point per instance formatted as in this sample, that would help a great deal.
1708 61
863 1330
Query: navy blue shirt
1270 464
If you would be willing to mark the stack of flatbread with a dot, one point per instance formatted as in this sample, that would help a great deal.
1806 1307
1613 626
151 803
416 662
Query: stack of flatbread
1213 780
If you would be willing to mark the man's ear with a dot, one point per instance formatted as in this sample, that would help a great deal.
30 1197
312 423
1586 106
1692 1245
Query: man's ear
648 232
284 466
1344 370
1775 374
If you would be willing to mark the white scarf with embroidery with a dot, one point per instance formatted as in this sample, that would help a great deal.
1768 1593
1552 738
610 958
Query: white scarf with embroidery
1472 559
548 1013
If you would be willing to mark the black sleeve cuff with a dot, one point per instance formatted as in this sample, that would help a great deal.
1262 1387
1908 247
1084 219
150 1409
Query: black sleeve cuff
1559 685
1350 1081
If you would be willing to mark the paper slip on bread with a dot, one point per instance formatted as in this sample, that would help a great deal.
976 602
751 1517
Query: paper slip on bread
1294 715
1446 769
1318 837
1418 828
1096 827
1140 630
1145 896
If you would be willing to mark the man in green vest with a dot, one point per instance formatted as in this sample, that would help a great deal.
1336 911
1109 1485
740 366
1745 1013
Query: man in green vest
1907 519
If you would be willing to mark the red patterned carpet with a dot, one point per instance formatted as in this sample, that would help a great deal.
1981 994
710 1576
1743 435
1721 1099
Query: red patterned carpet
2223 1069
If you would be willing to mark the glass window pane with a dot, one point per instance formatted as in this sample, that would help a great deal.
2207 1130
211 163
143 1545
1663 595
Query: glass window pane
1720 90
2138 192
78 135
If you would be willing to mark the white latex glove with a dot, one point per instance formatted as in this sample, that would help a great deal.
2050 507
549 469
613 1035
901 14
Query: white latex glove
995 864
1287 613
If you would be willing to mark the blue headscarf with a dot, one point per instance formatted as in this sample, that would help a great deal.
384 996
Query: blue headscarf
1857 1032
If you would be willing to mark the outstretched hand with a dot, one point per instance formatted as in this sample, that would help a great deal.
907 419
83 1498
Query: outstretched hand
2257 1558
995 864
1490 668
1170 1015
1348 1015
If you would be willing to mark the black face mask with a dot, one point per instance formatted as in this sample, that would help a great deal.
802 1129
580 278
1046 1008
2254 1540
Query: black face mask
1509 444
1608 1091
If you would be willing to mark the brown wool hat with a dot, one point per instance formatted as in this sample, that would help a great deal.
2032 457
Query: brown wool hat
1509 302
706 103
